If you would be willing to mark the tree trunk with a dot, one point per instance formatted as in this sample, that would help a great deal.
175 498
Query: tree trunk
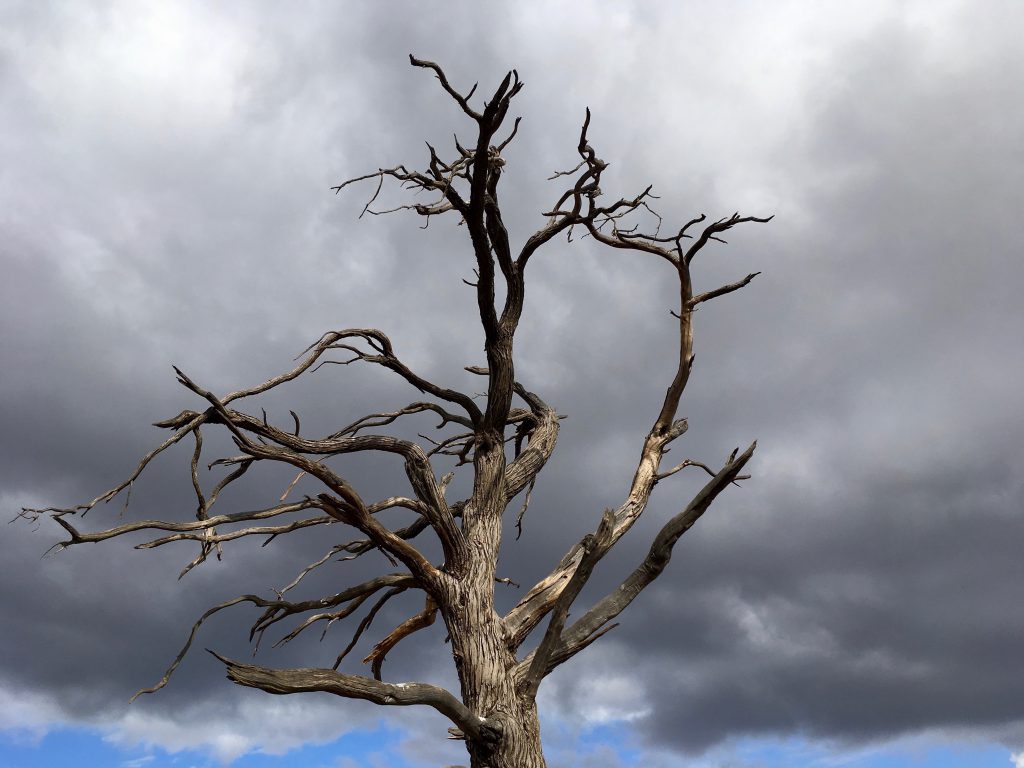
519 746
482 654
485 666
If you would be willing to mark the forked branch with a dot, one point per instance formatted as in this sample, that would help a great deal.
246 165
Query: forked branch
593 546
594 621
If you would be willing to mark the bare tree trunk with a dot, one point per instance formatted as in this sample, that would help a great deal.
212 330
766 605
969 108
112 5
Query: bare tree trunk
489 689
483 657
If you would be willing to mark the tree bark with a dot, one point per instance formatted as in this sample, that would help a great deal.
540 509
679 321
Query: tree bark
488 688
483 658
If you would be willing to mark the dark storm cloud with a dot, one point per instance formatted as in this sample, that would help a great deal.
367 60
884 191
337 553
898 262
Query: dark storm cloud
864 585
165 207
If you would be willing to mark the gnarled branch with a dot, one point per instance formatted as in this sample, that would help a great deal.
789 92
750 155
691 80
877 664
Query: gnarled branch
421 620
285 681
594 621
592 546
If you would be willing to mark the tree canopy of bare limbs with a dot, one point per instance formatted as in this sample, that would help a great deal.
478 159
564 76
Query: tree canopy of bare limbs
505 439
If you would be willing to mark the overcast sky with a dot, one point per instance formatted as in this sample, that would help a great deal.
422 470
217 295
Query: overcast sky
164 177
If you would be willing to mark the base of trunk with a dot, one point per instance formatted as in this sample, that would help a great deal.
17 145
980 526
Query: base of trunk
518 747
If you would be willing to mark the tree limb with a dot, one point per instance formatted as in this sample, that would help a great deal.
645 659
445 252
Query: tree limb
78 537
421 620
581 633
701 297
286 681
592 546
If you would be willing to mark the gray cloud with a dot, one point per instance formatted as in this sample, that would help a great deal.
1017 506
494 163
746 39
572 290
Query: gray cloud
166 175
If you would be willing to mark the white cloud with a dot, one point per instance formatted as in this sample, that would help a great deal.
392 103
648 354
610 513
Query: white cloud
26 716
601 691
266 725
1017 758
135 68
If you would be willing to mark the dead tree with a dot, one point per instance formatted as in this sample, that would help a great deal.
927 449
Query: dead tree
506 445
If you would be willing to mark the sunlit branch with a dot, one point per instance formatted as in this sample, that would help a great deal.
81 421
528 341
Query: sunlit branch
582 632
421 620
285 681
